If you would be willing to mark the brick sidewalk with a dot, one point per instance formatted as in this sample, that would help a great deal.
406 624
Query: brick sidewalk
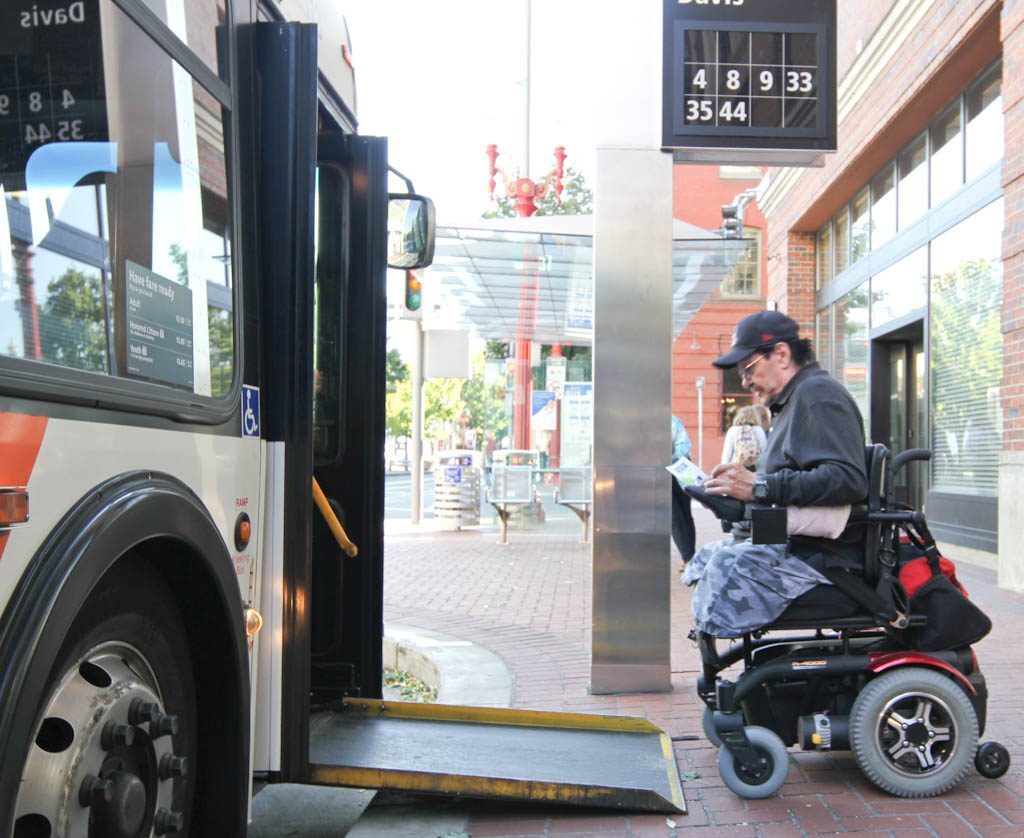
529 602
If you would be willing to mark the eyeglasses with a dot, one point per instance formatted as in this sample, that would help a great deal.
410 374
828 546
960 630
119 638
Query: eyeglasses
746 373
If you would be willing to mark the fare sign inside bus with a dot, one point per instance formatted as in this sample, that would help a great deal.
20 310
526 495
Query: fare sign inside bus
746 75
51 79
159 333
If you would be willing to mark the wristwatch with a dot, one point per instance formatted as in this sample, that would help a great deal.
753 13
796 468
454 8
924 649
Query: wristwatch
760 490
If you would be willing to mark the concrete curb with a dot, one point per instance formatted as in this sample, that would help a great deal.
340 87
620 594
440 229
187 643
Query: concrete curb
463 672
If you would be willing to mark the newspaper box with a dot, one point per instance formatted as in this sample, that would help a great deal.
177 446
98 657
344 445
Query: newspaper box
457 487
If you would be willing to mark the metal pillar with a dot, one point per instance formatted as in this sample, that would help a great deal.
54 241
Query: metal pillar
632 420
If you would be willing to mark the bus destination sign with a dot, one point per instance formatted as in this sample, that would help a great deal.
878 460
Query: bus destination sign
51 79
749 80
159 331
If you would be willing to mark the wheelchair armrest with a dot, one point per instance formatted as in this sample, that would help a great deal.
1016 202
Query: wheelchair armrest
728 509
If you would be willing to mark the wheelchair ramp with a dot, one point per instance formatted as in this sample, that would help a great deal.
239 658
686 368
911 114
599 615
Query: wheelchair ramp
577 759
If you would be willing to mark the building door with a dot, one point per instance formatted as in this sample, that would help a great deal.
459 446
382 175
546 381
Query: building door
899 415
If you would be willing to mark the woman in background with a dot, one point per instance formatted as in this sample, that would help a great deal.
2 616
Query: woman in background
746 438
684 533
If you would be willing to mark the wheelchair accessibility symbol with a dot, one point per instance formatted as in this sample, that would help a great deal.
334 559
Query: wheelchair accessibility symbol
250 411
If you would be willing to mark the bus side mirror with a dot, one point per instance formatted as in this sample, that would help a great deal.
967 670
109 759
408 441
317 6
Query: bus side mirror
411 226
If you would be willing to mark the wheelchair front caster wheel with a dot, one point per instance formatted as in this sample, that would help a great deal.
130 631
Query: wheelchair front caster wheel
766 778
992 760
707 723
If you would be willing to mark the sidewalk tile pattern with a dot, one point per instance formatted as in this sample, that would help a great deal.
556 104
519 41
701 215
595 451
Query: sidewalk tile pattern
529 603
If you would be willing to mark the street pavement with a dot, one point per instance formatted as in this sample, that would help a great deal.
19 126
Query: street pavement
528 602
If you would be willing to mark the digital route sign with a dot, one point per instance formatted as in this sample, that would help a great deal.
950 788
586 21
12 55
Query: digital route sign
749 80
51 79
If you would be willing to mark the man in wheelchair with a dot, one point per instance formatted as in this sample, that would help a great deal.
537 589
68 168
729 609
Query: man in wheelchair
901 689
814 459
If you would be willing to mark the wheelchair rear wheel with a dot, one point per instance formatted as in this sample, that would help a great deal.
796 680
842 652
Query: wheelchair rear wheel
913 732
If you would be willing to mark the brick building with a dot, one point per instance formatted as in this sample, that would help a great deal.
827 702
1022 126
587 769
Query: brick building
904 257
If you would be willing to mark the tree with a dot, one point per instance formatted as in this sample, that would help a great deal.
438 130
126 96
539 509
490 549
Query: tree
485 404
397 370
398 409
577 198
72 322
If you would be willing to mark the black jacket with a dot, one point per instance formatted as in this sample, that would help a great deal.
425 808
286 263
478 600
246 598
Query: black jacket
815 457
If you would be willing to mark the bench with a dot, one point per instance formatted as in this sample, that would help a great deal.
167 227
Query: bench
576 491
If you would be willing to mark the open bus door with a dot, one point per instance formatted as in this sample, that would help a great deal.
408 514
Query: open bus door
324 212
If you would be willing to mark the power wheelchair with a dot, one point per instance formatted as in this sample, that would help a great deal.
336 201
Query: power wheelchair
839 669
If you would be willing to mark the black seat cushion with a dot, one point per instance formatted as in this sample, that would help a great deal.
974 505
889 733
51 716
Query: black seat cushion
820 604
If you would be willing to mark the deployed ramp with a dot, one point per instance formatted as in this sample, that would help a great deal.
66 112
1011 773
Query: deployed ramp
579 759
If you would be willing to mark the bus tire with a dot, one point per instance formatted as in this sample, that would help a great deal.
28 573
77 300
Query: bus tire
119 719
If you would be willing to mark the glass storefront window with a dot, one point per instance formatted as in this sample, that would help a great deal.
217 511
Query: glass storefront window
883 206
850 344
913 186
967 354
900 289
823 338
860 230
824 256
984 106
947 154
841 241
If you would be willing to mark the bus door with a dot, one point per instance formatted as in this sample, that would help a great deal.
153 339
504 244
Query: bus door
349 348
356 739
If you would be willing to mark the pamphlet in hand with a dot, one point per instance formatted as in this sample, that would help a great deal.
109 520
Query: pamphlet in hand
686 472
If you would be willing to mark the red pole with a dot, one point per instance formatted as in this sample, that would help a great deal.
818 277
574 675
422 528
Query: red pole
555 448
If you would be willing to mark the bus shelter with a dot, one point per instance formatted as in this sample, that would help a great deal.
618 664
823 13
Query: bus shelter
550 280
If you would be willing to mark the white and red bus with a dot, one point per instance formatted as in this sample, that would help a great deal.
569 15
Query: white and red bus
188 223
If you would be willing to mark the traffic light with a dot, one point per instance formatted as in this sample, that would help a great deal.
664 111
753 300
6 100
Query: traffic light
413 292
732 222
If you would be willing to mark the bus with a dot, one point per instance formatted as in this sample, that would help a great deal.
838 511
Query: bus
194 241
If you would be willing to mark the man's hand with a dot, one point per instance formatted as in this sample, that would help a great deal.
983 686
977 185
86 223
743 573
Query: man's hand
733 480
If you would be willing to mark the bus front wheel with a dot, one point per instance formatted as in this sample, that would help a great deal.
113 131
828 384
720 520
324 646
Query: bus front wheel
114 748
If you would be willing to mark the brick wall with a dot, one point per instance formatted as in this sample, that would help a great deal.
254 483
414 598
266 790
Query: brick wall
791 278
1013 234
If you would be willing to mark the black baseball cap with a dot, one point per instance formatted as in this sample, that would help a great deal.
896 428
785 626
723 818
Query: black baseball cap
758 331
